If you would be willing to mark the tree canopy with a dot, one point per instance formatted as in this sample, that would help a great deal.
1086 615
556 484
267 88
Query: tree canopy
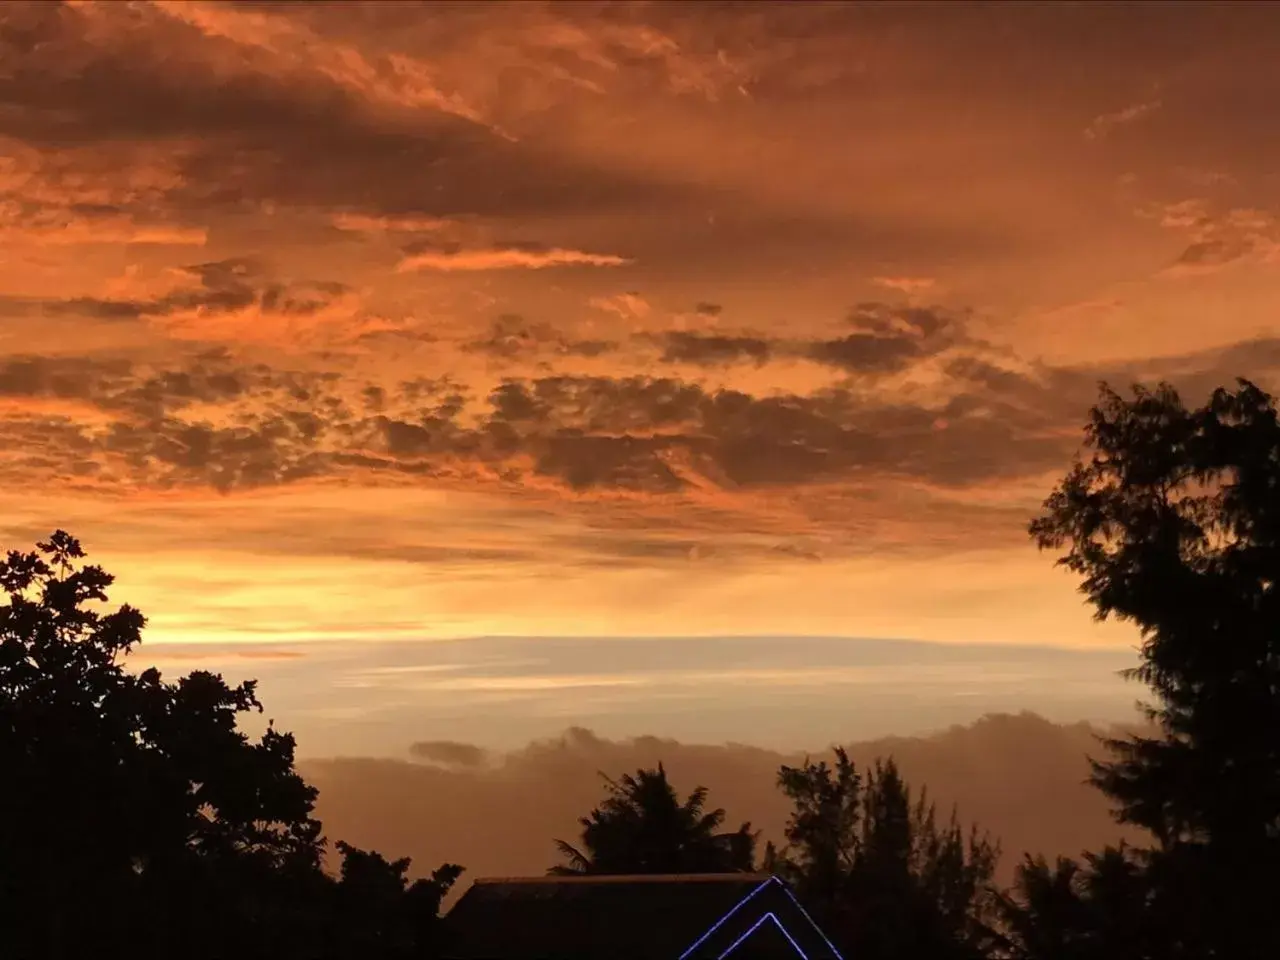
643 827
136 817
1173 524
880 872
877 869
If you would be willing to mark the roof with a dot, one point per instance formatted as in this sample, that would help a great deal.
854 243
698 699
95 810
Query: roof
643 917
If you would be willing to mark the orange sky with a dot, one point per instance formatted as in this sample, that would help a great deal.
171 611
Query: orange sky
372 323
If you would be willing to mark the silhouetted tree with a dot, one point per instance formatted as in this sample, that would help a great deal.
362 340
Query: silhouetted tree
1098 910
1174 526
822 833
378 912
643 827
877 870
136 818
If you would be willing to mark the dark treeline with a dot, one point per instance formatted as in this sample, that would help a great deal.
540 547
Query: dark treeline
138 819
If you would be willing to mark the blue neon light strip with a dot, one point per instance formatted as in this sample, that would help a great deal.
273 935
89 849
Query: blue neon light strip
805 913
721 922
768 916
756 926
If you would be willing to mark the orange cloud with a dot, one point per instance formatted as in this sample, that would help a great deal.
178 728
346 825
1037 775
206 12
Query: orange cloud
360 223
625 305
181 655
336 319
393 79
905 284
1216 240
80 196
506 258
1105 123
64 229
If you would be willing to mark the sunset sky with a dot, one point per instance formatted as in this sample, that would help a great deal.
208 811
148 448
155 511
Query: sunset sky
468 371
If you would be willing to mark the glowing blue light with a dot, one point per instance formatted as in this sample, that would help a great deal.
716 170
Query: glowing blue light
721 922
805 913
756 926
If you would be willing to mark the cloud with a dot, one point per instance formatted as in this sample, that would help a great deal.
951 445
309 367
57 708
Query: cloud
267 451
905 284
395 79
705 309
1018 776
628 306
236 300
184 656
1217 239
363 223
245 101
77 196
987 419
506 258
449 753
216 422
1103 124
133 426
888 338
603 48
701 349
68 230
511 336
638 434
664 434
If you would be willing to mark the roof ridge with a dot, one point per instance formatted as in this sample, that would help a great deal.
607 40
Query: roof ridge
632 878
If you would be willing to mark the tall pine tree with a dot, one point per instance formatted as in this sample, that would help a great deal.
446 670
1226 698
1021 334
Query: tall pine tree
1173 524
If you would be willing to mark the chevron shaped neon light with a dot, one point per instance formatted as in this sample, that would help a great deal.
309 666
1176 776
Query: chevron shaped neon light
725 919
805 913
756 926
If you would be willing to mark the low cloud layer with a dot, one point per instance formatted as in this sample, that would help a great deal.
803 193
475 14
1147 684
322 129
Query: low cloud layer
1018 776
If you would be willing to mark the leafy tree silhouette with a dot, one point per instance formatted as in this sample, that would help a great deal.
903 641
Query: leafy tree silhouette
822 833
642 827
378 912
878 871
1097 910
136 818
1174 525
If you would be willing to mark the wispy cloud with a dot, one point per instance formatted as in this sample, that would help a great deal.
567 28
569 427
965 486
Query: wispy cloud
394 79
63 229
1103 124
512 337
1217 238
363 223
625 305
507 258
905 284
78 196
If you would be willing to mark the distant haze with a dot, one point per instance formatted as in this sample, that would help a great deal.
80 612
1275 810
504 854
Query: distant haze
1019 776
779 692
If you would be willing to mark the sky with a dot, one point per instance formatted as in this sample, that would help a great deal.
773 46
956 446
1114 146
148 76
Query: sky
675 369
